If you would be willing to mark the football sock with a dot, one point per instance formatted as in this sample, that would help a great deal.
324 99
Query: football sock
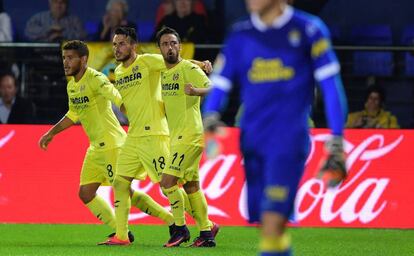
199 204
275 246
187 204
122 206
176 199
102 211
146 204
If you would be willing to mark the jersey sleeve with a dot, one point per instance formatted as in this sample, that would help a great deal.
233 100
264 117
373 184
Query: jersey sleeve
107 89
325 62
197 77
154 61
326 72
72 115
225 70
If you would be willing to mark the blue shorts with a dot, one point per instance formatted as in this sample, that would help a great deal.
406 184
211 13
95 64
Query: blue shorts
272 175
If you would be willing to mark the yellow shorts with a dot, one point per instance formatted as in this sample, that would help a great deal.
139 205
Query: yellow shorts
143 156
183 162
99 167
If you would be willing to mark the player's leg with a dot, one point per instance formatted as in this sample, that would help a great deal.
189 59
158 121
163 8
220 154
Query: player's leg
175 196
96 204
148 205
90 180
283 171
208 229
169 186
155 161
127 165
190 157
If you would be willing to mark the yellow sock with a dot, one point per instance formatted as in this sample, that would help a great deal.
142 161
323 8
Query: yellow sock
176 199
122 206
199 204
102 211
187 204
275 244
146 204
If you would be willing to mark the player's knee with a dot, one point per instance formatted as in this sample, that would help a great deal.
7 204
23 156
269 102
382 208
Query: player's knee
191 187
121 183
168 181
86 196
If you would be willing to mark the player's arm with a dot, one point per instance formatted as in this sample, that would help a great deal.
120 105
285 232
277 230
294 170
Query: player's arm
108 91
204 65
327 74
199 85
190 90
60 126
225 69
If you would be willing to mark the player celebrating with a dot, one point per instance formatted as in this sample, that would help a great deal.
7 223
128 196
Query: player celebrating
146 146
276 57
183 83
90 94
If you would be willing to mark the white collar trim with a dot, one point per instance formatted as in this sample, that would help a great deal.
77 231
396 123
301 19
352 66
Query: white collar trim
277 23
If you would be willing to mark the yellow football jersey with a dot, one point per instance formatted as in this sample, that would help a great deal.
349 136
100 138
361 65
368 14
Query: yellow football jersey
90 103
139 85
183 111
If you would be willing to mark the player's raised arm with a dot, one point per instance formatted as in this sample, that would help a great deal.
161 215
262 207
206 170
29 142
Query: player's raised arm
63 124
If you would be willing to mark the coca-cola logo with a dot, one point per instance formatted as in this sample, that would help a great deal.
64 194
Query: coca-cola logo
321 199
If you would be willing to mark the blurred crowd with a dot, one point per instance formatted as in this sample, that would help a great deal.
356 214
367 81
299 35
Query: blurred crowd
189 17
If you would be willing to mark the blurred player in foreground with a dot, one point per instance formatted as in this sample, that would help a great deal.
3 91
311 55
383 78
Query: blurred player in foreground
90 95
276 57
182 85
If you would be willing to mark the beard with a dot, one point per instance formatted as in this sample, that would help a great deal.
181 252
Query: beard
171 58
74 72
123 58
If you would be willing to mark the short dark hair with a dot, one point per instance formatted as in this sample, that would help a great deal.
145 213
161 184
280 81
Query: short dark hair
166 30
80 47
128 32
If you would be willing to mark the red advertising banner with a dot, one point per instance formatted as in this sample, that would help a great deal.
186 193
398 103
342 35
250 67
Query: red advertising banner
41 186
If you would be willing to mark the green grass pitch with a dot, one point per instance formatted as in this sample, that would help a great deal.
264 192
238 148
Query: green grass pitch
80 240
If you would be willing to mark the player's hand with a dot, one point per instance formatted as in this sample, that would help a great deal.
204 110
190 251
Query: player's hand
45 140
207 67
190 90
211 122
333 169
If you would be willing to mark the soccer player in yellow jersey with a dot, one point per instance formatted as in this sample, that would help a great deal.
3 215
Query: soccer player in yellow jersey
90 95
147 144
183 84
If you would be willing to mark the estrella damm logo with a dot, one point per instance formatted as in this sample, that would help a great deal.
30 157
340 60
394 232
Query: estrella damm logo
320 47
79 100
269 70
170 87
